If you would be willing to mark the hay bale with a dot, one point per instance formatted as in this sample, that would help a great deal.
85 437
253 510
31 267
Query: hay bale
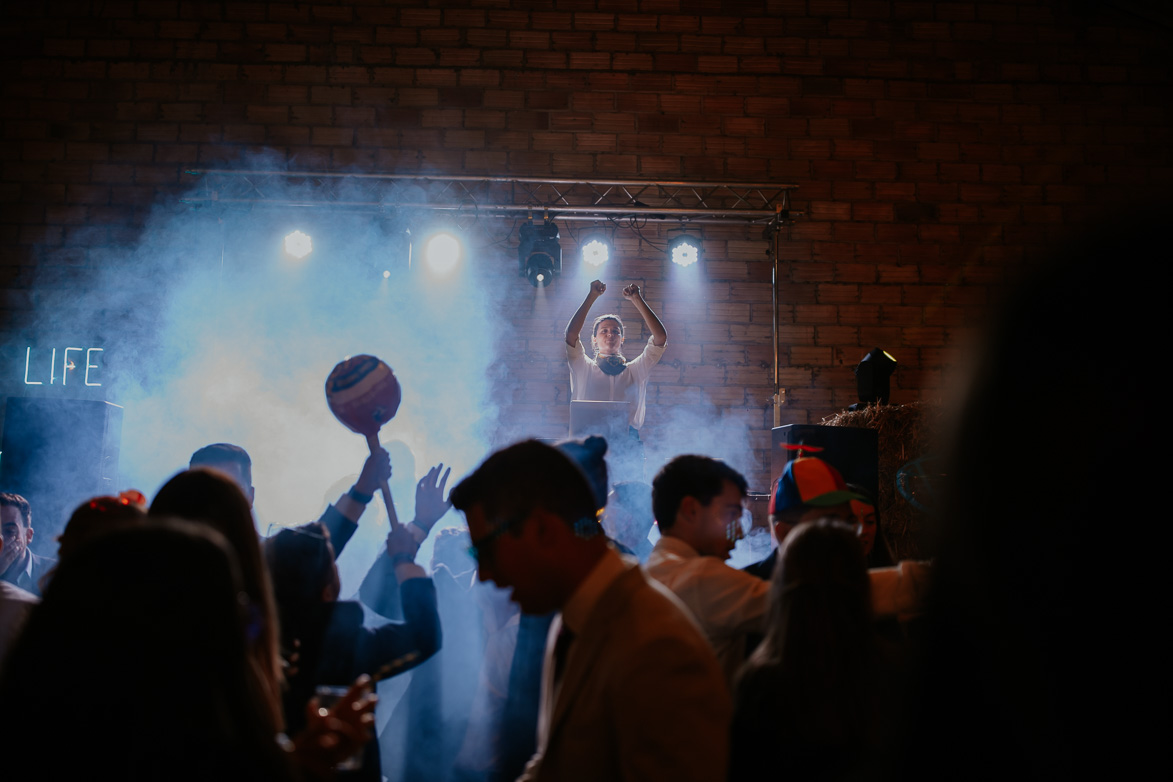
905 433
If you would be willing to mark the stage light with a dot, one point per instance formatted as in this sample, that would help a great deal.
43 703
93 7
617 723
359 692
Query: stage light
539 255
596 252
386 273
873 378
298 245
684 250
442 252
540 272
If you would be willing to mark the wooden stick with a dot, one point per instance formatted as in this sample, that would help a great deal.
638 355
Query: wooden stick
373 444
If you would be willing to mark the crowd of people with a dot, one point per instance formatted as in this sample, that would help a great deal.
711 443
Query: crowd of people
230 648
169 640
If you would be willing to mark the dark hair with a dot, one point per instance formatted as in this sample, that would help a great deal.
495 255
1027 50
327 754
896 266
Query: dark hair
157 610
863 492
878 557
690 476
223 453
10 500
810 688
514 481
95 518
210 497
300 563
601 318
820 596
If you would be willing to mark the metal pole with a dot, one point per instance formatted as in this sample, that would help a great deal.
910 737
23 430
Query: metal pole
780 218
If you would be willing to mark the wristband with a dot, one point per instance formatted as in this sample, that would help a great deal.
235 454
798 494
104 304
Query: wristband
359 497
402 559
416 523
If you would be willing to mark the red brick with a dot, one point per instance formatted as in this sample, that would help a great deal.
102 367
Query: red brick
837 335
807 314
838 294
807 356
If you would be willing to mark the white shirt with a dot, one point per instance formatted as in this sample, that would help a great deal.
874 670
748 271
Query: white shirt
727 603
591 384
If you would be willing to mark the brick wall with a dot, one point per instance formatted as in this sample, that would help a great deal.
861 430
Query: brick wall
938 148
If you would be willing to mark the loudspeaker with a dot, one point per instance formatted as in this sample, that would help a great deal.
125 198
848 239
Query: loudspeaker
57 453
853 452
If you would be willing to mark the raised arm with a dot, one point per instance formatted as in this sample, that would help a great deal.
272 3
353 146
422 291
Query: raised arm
380 587
574 327
659 335
341 518
419 632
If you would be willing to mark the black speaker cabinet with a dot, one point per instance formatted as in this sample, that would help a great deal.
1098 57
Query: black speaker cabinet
57 453
854 452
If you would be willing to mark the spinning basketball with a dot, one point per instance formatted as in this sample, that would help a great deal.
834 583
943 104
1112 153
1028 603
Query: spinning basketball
363 394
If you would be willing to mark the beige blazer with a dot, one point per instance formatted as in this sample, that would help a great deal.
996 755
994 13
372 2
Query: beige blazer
642 696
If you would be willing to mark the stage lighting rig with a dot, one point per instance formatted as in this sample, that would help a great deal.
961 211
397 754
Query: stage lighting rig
298 245
873 378
684 249
539 255
596 251
442 252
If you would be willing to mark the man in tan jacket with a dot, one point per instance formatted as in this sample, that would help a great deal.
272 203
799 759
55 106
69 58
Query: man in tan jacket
631 690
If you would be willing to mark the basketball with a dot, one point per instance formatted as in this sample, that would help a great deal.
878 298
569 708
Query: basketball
363 394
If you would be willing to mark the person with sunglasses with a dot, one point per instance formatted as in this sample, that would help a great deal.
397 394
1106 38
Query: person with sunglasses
627 671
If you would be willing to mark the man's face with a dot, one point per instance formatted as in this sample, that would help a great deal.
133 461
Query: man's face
867 524
510 559
608 337
16 536
718 525
782 529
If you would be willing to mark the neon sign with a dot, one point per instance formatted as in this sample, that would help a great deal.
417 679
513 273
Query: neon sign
67 366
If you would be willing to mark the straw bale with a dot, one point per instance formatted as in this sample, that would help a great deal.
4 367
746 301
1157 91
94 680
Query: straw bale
905 433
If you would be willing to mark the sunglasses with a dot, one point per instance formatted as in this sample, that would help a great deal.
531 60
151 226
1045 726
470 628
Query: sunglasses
482 550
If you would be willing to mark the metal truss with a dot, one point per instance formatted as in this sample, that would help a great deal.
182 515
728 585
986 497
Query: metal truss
470 198
567 199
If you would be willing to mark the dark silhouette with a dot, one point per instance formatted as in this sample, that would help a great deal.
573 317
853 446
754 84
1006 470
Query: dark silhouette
136 666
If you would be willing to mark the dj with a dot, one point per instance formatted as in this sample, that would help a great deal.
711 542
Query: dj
609 376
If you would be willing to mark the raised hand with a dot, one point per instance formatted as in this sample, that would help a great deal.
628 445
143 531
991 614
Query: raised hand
598 288
335 734
401 542
631 292
430 503
375 470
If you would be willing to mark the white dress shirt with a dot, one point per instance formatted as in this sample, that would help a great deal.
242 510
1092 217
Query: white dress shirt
727 603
